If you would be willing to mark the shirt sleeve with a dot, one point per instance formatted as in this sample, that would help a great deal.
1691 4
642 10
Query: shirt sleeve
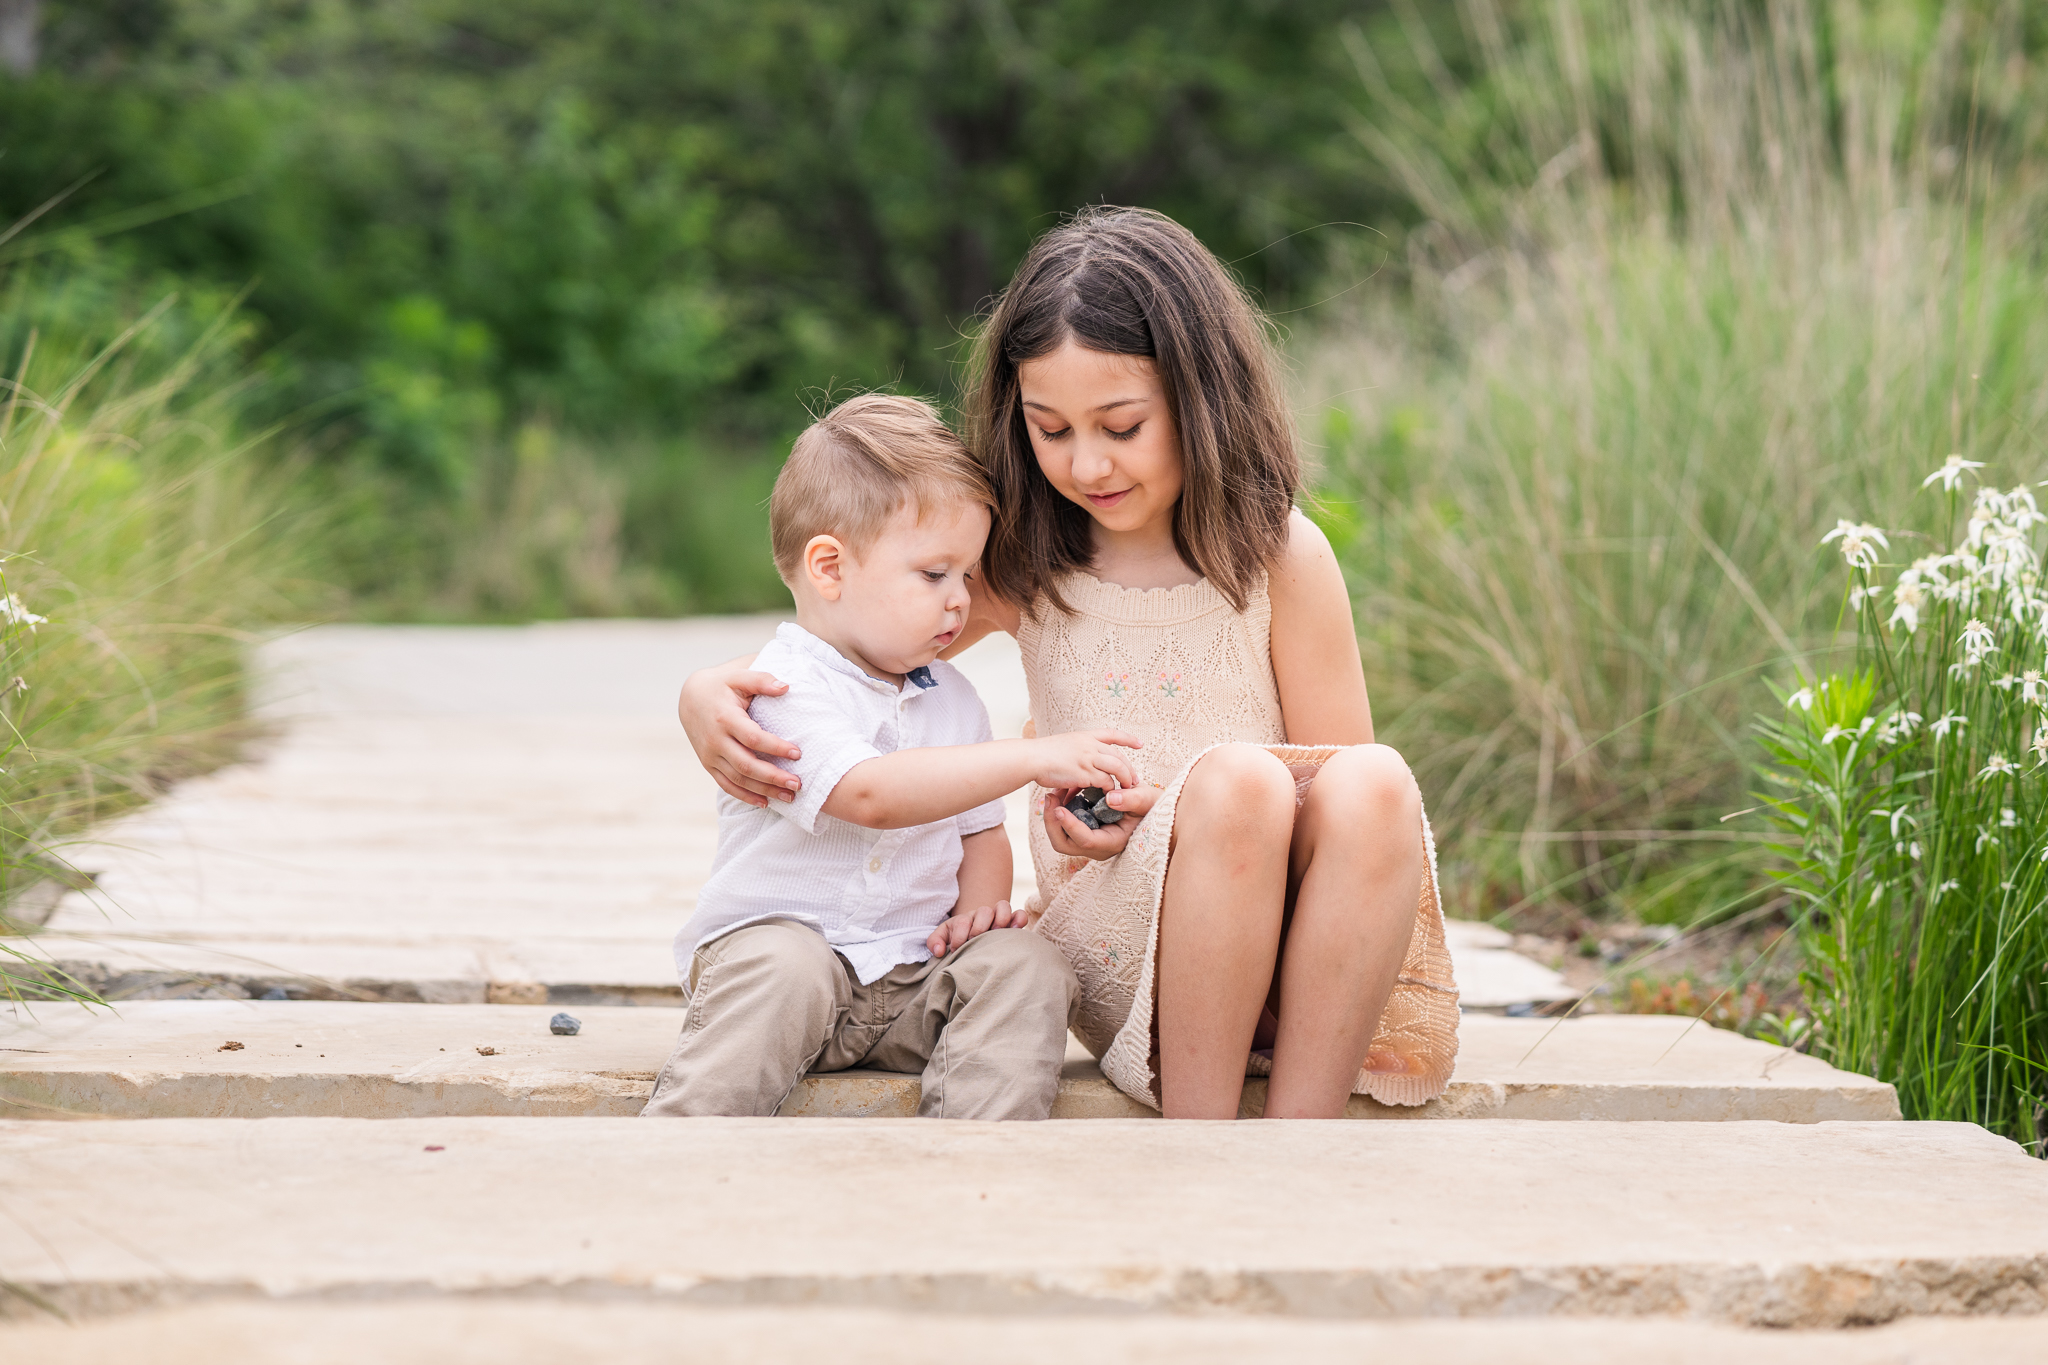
990 813
808 717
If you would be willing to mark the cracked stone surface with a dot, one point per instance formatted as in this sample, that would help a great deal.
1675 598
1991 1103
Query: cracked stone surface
1747 1224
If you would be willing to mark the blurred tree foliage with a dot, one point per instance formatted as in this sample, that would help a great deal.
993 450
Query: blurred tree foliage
661 216
647 234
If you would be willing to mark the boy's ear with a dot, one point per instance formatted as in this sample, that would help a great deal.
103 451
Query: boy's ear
824 566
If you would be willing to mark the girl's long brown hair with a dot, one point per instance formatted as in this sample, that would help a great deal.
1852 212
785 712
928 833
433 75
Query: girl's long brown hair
1126 281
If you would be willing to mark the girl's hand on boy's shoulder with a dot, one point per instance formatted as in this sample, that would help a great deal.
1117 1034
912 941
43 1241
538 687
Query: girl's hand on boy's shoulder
962 925
1085 758
732 748
1073 839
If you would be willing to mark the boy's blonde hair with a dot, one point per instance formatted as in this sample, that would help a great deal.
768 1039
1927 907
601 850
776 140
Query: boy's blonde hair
854 468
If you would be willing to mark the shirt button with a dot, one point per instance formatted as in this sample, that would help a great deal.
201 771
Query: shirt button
874 864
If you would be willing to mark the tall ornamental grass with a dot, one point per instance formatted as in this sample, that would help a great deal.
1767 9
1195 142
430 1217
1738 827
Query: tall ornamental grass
1910 792
1690 282
143 533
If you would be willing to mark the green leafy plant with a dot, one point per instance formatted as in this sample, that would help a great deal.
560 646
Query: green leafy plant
1909 791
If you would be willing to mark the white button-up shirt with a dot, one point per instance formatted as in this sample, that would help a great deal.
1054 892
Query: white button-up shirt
874 894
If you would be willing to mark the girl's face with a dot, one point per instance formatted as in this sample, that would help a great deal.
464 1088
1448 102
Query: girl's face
1103 436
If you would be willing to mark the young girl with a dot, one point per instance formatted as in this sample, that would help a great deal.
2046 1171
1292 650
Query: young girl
1269 900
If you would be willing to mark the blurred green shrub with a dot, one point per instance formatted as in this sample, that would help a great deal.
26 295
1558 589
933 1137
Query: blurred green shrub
146 526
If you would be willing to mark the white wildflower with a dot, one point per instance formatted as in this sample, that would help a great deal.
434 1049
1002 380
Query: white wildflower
1985 837
13 613
1947 887
2007 817
1906 600
1977 641
1860 542
2006 683
1861 594
1952 721
1836 732
1951 472
2032 689
1914 849
1803 699
1997 766
2040 742
2021 509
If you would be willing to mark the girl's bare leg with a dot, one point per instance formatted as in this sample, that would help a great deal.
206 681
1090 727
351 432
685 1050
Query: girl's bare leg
1355 874
1219 925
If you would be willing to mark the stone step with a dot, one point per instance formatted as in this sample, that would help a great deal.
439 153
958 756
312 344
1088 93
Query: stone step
1749 1224
164 1059
565 1332
504 814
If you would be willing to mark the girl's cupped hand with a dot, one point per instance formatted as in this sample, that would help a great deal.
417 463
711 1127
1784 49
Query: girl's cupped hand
734 750
1075 840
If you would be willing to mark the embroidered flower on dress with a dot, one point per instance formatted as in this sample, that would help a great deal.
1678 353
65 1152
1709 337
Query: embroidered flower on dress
1115 683
1169 683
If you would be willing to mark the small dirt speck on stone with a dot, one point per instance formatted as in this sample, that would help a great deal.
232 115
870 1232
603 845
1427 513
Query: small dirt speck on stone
229 1046
487 1052
437 1149
566 1024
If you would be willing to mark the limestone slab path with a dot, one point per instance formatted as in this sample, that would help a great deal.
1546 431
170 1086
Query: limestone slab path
1749 1224
469 814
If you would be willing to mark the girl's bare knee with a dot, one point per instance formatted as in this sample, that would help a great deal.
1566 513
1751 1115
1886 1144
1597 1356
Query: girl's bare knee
1243 782
1373 781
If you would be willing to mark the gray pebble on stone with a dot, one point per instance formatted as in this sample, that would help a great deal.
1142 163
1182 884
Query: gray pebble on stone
566 1024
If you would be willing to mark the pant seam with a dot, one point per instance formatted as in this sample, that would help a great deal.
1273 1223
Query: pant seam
693 1019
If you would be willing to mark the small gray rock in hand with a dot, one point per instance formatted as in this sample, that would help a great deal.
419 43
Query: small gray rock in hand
1091 807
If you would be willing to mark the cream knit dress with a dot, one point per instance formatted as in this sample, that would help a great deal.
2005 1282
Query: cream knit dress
1184 672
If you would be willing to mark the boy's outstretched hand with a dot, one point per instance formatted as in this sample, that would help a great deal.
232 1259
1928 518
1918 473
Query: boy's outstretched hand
1085 758
962 925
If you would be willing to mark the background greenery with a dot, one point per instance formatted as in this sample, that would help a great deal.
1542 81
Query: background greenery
1600 313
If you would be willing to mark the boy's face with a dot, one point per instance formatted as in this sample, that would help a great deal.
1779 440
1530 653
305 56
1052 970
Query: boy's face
895 607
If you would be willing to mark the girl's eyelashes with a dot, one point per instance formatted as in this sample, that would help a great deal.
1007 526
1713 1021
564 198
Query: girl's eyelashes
934 575
1126 434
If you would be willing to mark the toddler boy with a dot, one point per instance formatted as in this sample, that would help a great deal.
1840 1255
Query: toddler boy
843 928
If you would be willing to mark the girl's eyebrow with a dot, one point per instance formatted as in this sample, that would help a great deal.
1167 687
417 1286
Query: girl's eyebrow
1105 407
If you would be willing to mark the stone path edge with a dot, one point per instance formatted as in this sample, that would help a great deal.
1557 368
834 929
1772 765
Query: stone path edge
1833 1294
560 1333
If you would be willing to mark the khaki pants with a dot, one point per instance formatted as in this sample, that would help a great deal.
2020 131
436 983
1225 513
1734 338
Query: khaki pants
771 1002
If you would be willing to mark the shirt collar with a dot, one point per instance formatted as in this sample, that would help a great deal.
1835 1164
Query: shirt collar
915 682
